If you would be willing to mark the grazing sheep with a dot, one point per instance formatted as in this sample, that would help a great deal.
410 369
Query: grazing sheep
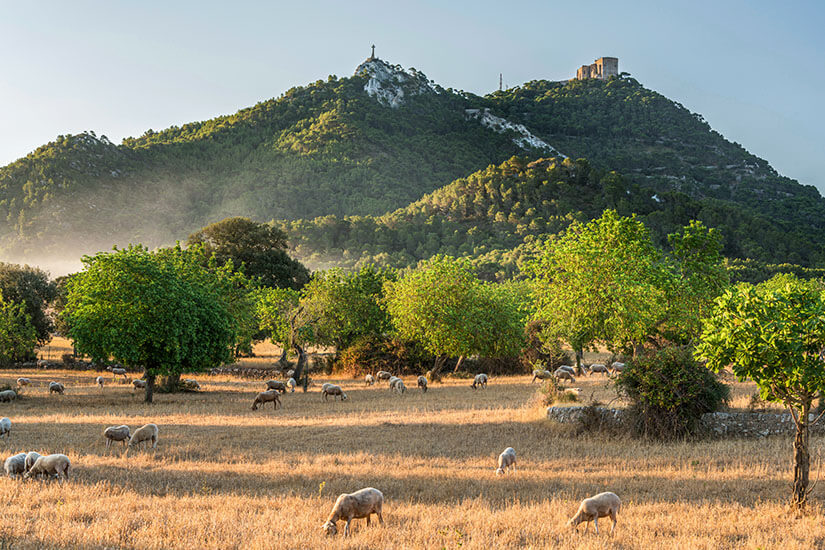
42 363
31 458
15 465
383 375
562 374
398 385
506 460
116 433
50 465
391 381
568 368
593 508
617 367
596 367
290 373
573 391
422 383
291 385
23 382
369 380
333 390
146 433
276 385
5 428
99 381
189 384
119 372
357 505
56 387
541 374
480 381
266 397
139 384
7 396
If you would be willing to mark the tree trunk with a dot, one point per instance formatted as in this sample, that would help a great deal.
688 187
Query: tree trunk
302 359
150 387
458 363
171 382
579 357
437 366
802 460
283 361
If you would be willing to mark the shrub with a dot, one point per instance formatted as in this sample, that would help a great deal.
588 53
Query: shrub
551 392
371 354
18 337
669 392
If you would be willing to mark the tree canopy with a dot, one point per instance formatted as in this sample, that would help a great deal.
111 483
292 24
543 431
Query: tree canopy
32 288
18 336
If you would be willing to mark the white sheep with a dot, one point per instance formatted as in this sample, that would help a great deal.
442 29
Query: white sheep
480 381
541 374
6 396
383 375
118 372
391 381
56 387
190 384
568 368
617 367
268 396
593 508
506 460
290 384
139 384
597 367
31 458
42 364
15 465
422 383
276 385
5 428
290 373
357 505
50 465
99 381
369 380
397 385
116 433
23 382
562 374
333 390
144 434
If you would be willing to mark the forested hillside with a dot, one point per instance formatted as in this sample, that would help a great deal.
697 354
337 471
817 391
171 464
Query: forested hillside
334 160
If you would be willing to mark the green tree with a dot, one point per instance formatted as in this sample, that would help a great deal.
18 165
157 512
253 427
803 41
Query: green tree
774 334
18 337
32 288
162 311
258 247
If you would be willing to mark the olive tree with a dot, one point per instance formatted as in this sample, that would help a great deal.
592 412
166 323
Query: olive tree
18 336
774 334
163 311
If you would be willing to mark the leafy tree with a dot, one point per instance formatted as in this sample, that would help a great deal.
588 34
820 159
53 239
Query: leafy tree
32 288
163 311
774 334
260 248
18 336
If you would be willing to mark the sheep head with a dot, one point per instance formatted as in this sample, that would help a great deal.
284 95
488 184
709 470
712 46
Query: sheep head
330 528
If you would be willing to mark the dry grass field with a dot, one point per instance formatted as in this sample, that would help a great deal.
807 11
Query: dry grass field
224 476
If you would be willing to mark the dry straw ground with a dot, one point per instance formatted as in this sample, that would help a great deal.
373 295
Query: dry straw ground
224 476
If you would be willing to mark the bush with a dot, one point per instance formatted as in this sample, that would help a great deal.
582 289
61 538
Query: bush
551 392
669 392
18 337
371 354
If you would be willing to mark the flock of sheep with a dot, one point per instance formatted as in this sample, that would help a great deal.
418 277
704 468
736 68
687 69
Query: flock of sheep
358 505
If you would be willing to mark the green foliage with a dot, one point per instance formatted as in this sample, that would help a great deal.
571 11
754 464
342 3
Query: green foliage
276 309
669 392
163 311
370 354
18 336
257 248
32 288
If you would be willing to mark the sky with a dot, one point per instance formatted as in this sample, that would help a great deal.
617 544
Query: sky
753 69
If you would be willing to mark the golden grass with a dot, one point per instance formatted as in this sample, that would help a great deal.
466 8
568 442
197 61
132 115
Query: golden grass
227 477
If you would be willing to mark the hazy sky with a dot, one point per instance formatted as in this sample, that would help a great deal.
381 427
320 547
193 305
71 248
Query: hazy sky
753 69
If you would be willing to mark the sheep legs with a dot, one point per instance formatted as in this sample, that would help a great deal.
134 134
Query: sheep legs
613 517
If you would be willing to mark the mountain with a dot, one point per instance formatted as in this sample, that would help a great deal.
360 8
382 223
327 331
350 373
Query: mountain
343 165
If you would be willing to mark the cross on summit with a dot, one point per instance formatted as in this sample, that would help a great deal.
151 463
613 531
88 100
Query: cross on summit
372 56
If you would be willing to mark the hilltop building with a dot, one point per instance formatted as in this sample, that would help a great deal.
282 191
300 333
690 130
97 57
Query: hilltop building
603 68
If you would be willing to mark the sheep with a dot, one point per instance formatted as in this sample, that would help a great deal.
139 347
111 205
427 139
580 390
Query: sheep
139 384
99 381
357 505
189 384
422 383
5 427
15 465
398 385
7 396
31 458
118 372
291 385
116 433
596 367
506 460
23 382
276 385
541 374
369 380
146 433
383 375
53 465
573 391
568 368
391 381
333 390
617 367
480 381
290 373
56 387
265 397
562 374
42 363
593 508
